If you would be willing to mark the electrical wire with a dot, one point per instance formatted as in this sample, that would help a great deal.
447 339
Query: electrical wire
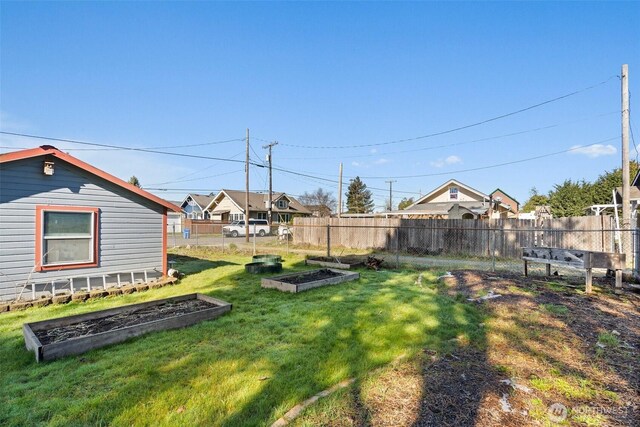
542 156
455 144
459 128
144 150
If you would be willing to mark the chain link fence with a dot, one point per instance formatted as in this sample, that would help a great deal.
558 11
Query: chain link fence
208 234
485 245
448 244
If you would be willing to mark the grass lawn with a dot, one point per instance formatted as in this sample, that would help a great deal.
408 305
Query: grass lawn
246 368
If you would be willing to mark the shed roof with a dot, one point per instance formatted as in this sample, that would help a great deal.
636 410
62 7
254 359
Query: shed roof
48 150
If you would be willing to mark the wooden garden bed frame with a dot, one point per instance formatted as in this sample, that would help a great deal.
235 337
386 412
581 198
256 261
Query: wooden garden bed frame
83 344
277 283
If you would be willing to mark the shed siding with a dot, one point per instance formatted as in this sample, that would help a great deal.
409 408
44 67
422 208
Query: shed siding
130 226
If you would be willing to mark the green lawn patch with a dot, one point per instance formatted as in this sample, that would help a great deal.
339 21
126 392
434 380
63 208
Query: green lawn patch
246 368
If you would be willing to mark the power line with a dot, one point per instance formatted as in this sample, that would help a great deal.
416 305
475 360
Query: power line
434 147
459 128
196 179
144 150
497 164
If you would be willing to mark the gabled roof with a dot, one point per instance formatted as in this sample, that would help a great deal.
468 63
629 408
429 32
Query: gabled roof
201 200
446 184
506 194
443 208
257 201
48 150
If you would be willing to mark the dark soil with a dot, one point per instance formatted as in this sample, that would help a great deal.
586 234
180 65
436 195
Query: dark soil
312 276
562 344
122 320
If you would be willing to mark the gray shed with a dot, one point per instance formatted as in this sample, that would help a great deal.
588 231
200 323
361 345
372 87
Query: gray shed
65 223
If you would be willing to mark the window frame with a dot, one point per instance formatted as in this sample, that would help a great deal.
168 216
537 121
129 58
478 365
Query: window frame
40 238
452 191
282 204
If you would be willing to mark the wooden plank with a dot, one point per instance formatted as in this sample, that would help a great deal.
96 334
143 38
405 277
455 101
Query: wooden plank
82 344
554 262
277 283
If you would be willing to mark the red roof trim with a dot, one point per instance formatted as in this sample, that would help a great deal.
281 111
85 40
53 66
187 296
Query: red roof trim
48 150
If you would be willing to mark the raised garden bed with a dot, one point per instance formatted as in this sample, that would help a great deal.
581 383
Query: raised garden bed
302 281
55 338
263 267
345 262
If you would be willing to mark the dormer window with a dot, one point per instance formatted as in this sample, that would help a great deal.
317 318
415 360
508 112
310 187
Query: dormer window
281 204
453 193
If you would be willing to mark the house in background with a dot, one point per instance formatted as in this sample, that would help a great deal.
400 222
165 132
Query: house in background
228 205
193 206
505 199
455 200
63 219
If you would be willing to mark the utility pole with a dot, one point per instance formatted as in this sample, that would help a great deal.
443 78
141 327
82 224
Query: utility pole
626 214
270 206
340 193
391 193
246 194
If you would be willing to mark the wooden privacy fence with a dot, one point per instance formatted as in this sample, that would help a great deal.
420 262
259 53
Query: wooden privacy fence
502 238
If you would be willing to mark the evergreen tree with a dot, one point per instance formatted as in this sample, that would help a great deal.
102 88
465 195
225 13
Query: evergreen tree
358 197
535 199
405 203
134 181
603 187
570 198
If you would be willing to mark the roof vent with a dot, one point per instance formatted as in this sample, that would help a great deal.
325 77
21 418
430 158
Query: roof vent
48 168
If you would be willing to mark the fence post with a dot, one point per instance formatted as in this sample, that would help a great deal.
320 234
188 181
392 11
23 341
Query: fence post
493 249
254 239
328 240
174 235
397 247
196 227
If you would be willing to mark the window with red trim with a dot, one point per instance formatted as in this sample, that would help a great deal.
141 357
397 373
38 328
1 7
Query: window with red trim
66 237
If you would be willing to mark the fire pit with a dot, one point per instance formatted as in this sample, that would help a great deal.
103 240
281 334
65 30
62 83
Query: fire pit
55 338
302 281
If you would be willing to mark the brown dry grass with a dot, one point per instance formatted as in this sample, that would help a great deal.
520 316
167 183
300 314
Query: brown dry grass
543 336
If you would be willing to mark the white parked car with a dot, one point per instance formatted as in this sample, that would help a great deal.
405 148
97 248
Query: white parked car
237 228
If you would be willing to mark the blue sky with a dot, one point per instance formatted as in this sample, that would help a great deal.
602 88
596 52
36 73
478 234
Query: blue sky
318 75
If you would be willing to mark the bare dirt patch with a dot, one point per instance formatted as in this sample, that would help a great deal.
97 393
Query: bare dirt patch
561 345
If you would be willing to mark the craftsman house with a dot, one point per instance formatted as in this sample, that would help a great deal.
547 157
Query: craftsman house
193 206
455 200
65 222
229 205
